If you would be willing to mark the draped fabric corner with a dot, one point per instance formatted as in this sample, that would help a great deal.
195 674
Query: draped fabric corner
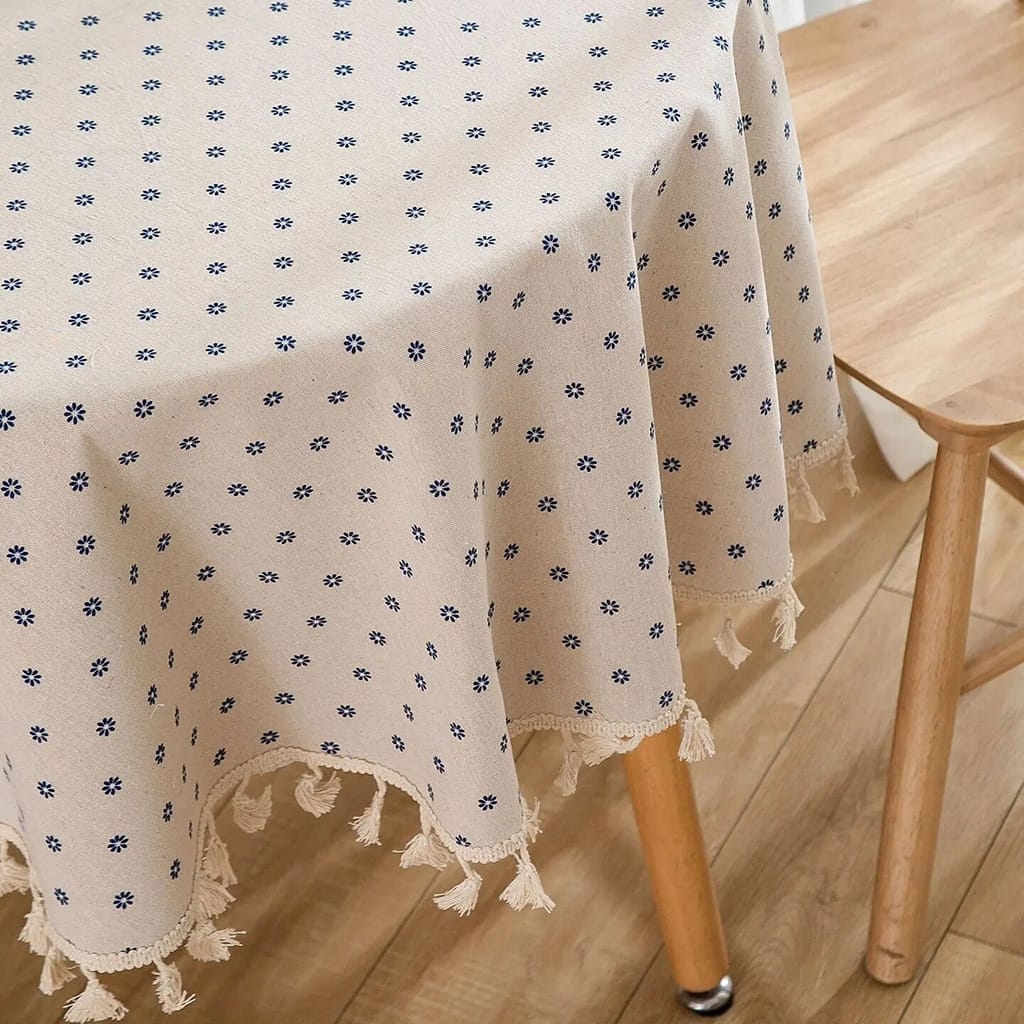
373 376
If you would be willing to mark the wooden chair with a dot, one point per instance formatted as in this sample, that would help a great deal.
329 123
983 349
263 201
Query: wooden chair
911 122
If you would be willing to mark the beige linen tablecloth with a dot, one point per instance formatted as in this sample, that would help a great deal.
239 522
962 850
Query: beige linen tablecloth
371 375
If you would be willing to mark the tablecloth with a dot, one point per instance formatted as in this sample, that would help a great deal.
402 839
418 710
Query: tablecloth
374 375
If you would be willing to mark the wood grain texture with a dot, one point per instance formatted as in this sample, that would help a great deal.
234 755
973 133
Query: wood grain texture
933 663
907 213
668 823
795 876
994 911
969 983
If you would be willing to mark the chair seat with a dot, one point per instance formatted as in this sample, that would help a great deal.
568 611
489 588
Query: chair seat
911 117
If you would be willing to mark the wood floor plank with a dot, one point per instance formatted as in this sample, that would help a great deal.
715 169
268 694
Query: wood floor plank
969 983
794 878
998 589
994 911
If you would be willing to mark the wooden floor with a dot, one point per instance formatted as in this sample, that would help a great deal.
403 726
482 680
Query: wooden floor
337 934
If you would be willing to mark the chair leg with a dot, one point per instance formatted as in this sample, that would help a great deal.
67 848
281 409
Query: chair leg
677 864
933 664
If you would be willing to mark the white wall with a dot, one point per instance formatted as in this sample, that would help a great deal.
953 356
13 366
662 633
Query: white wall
795 12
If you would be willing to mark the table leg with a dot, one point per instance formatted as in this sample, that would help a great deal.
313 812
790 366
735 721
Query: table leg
666 815
933 664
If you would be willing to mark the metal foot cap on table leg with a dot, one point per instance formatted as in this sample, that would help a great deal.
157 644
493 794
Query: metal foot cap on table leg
711 1003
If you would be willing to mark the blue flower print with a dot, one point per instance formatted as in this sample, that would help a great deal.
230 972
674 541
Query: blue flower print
117 844
583 708
124 899
46 789
112 785
488 802
61 896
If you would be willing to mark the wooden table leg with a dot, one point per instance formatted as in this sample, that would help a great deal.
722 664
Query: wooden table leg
677 864
933 664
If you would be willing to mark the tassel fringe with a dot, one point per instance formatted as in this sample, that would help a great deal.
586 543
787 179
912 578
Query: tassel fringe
696 742
170 994
802 499
93 1003
13 874
34 931
785 616
251 813
425 848
531 821
525 890
595 749
212 898
845 475
572 760
314 795
462 897
209 945
216 863
729 645
56 972
367 824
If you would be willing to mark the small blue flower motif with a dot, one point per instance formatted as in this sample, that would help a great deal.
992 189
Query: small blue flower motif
46 789
117 844
398 743
534 677
270 736
61 897
175 871
112 786
583 708
480 684
488 802
666 699
330 747
53 844
168 812
124 899
449 613
457 731
736 550
346 711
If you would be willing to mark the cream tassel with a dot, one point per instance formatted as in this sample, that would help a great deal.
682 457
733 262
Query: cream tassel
805 506
595 749
785 616
367 825
251 813
568 776
425 848
531 820
696 742
170 994
729 645
314 795
209 945
525 890
216 863
211 898
93 1003
845 476
34 931
462 897
13 875
56 972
